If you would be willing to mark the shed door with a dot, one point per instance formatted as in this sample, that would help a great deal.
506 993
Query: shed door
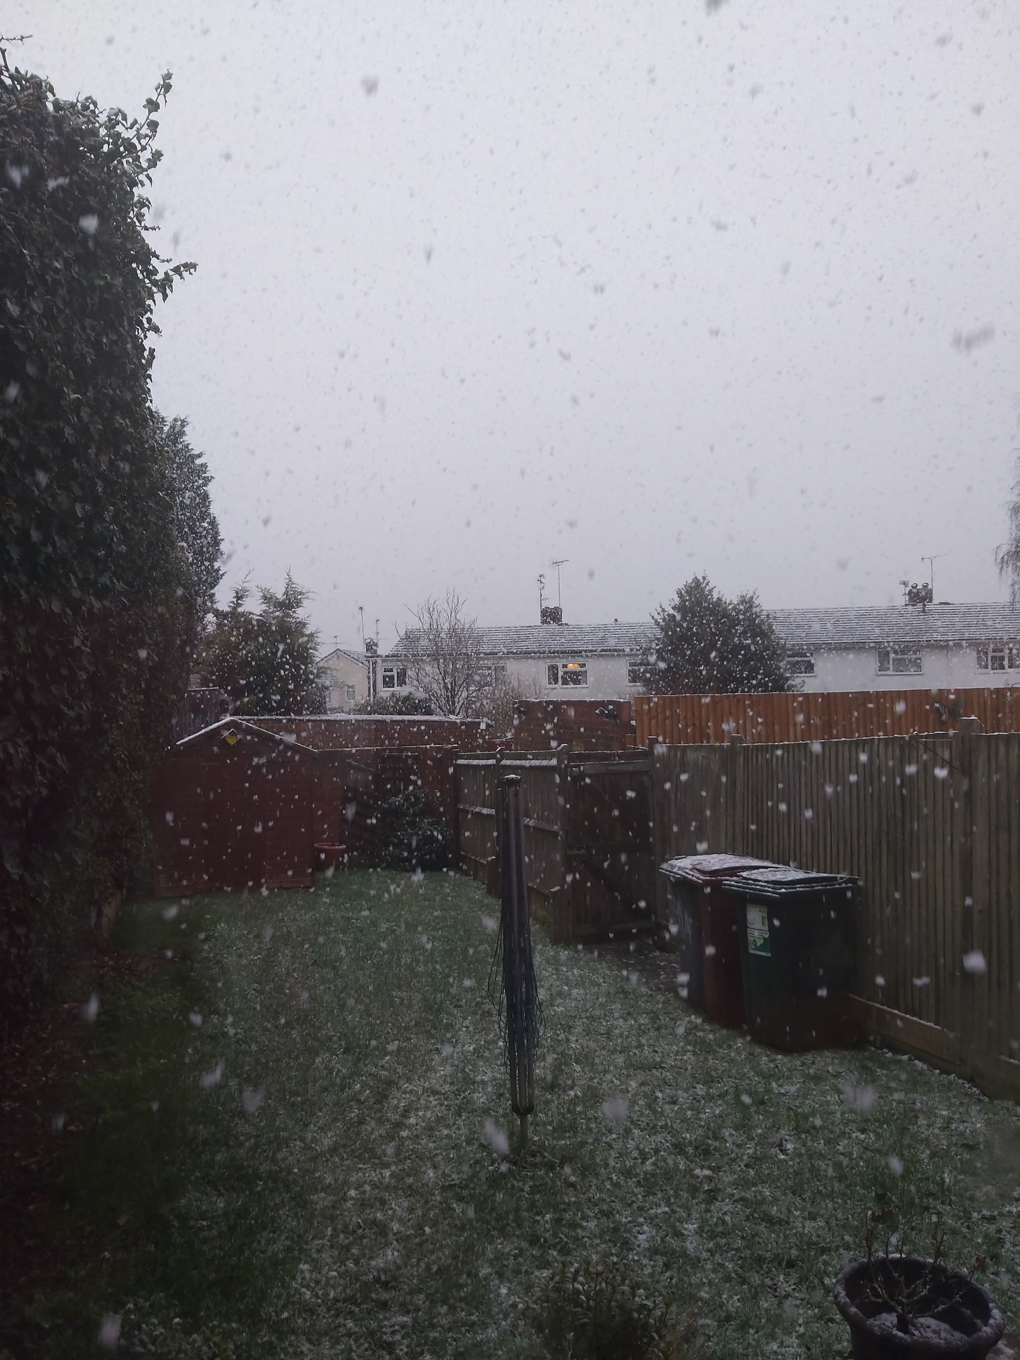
240 844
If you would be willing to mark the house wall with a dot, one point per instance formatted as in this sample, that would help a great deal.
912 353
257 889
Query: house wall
606 675
344 673
946 666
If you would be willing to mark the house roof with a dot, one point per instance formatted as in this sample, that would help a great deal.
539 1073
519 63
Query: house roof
937 623
838 627
549 639
359 657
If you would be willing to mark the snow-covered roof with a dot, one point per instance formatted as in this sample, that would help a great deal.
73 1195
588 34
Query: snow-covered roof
551 639
937 623
799 628
359 657
252 728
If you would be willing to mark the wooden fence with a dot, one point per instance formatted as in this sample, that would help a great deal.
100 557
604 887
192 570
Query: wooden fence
930 824
578 724
587 837
704 718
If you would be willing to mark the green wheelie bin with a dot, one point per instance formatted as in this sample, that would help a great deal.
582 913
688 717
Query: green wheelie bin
797 933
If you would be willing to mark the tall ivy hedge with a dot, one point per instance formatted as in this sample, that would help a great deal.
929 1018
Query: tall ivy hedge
106 531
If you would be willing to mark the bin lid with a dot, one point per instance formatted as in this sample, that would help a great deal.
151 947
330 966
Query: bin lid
710 868
781 880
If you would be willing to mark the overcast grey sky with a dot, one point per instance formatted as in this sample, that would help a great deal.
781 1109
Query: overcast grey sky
653 289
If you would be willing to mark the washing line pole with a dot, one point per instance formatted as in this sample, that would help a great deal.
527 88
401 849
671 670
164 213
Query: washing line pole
519 1007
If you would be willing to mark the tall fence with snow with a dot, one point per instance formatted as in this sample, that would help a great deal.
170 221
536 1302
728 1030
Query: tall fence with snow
931 824
827 716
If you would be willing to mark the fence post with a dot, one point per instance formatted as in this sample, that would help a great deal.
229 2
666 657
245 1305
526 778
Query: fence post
561 911
451 756
492 877
972 984
659 807
735 818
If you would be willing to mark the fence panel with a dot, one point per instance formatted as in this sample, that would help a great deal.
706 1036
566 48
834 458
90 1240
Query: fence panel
543 835
609 845
700 719
476 815
991 980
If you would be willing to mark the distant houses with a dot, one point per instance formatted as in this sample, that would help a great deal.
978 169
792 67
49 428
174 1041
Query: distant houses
547 660
935 646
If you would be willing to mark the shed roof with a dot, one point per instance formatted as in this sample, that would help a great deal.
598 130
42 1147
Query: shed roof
251 729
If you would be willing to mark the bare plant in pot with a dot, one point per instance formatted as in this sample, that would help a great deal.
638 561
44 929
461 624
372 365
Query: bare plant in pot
904 1307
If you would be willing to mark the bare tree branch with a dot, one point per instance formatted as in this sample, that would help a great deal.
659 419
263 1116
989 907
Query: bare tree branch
1007 556
444 656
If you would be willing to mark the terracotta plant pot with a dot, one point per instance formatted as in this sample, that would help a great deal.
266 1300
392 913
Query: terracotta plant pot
951 1318
328 856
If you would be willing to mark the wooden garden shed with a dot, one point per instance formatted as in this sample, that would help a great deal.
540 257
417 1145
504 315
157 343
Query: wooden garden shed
233 809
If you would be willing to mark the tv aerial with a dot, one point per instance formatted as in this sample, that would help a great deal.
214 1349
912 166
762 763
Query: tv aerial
560 562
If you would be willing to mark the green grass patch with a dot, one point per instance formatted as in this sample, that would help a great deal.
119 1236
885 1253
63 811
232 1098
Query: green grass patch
282 1150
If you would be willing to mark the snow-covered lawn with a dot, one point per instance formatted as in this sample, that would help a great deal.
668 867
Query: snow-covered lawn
316 1179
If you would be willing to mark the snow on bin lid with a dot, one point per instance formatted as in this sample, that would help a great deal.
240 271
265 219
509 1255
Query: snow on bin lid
778 878
701 867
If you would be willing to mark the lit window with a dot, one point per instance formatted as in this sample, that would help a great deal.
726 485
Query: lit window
573 673
899 661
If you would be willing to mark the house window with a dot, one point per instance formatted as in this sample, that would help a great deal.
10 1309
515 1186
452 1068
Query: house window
637 673
352 694
394 677
573 673
566 673
800 663
899 661
998 656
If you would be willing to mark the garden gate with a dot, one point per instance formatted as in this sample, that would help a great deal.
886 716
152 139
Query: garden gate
587 837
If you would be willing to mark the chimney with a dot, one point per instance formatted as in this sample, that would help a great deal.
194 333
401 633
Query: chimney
552 613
